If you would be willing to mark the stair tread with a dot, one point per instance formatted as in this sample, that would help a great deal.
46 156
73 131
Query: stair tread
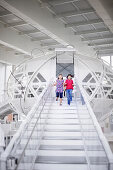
61 147
71 147
69 130
98 160
67 138
49 166
61 159
63 137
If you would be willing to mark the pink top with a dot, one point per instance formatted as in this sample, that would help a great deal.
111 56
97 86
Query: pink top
69 84
59 86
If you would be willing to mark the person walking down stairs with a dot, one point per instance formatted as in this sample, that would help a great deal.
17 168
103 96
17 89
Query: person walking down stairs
69 88
59 88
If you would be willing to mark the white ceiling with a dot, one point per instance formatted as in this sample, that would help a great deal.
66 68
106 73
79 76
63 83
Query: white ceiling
77 17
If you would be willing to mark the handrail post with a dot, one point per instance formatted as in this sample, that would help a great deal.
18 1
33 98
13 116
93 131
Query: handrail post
3 163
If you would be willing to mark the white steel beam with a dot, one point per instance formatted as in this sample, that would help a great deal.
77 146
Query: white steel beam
65 49
10 57
40 38
74 13
105 53
98 38
101 43
91 31
42 19
45 3
10 38
29 32
5 13
83 23
104 48
16 24
104 9
49 44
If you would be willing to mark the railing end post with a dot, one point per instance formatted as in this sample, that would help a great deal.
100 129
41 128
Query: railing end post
3 165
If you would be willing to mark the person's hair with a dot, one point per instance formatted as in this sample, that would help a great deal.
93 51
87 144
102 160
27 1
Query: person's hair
69 75
60 75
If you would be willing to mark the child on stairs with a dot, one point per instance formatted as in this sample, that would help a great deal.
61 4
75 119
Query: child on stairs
59 88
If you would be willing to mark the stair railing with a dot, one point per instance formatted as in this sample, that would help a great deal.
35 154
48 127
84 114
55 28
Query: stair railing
13 145
102 138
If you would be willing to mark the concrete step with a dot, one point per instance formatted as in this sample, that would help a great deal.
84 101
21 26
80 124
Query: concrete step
61 147
58 116
62 130
68 138
71 147
61 159
59 111
30 152
71 142
48 166
58 107
56 142
68 127
63 121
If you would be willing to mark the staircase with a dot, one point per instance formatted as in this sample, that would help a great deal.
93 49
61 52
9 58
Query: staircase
68 141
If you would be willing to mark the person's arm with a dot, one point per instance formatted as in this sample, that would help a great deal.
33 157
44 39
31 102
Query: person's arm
65 84
55 84
72 83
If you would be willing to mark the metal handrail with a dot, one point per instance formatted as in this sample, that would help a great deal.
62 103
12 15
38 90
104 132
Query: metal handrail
105 116
98 128
85 149
17 137
21 156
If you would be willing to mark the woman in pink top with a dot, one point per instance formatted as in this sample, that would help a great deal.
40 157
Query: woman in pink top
69 87
59 88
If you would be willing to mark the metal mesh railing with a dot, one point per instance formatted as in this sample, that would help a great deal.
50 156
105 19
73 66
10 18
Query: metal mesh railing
30 130
33 133
97 149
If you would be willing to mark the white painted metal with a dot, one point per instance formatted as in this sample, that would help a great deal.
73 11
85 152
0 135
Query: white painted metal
101 43
51 133
60 153
43 20
74 13
22 127
98 38
83 23
100 133
92 31
95 83
65 49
